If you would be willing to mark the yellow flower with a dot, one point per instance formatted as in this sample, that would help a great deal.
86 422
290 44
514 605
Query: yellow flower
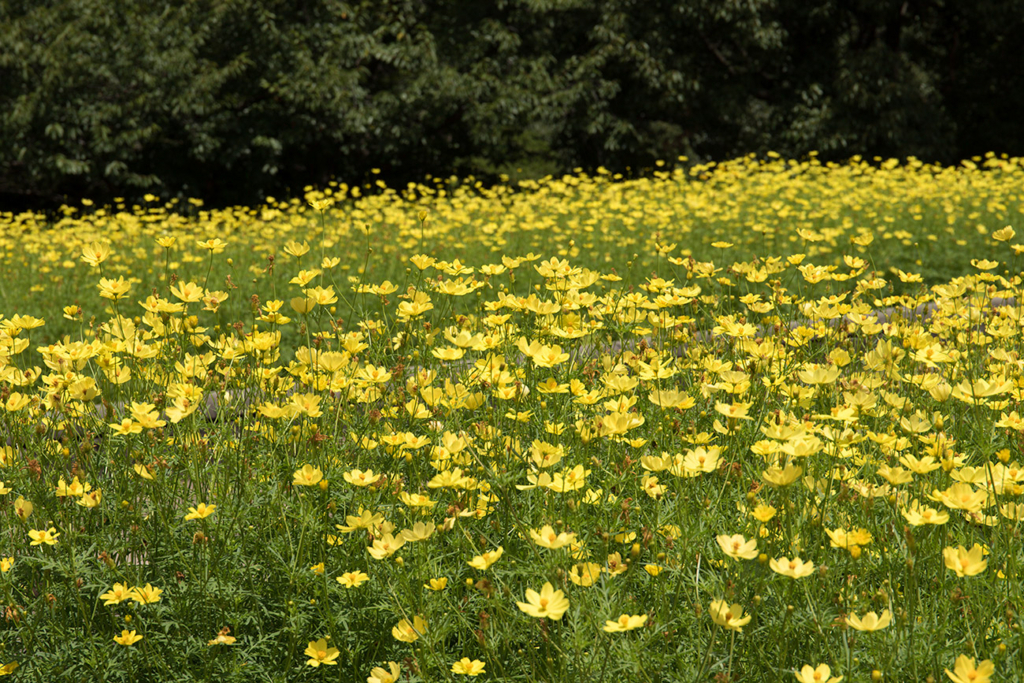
585 573
5 564
763 513
484 561
116 595
15 402
1003 235
126 426
652 488
127 638
965 562
409 632
187 292
615 564
142 471
1012 511
48 536
222 639
795 568
922 465
201 511
8 669
737 547
821 674
215 245
293 248
360 478
895 475
94 254
113 289
74 489
840 538
319 653
353 579
379 675
416 500
468 668
386 546
918 515
729 616
91 499
625 622
307 475
547 538
653 569
549 603
318 569
419 532
549 356
733 411
776 476
961 496
437 584
965 671
422 261
23 508
870 622
147 595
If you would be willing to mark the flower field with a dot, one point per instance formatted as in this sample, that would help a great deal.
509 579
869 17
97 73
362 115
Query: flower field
754 421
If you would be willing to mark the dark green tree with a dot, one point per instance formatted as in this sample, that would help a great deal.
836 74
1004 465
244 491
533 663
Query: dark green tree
232 100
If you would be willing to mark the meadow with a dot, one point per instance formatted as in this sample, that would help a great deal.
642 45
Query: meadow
749 421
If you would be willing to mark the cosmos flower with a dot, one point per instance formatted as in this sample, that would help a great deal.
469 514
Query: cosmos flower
737 547
820 674
468 667
307 475
549 603
319 653
870 622
146 595
353 579
965 671
127 638
201 511
484 561
119 593
625 622
795 568
409 631
965 562
728 616
380 675
44 536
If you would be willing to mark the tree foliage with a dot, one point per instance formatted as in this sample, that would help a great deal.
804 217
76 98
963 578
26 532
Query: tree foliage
235 99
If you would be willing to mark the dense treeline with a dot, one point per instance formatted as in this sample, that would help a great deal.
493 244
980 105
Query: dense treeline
231 100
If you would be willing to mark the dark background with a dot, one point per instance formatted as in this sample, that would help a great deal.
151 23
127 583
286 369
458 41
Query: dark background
234 100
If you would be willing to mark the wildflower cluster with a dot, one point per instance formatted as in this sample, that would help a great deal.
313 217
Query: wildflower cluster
520 464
